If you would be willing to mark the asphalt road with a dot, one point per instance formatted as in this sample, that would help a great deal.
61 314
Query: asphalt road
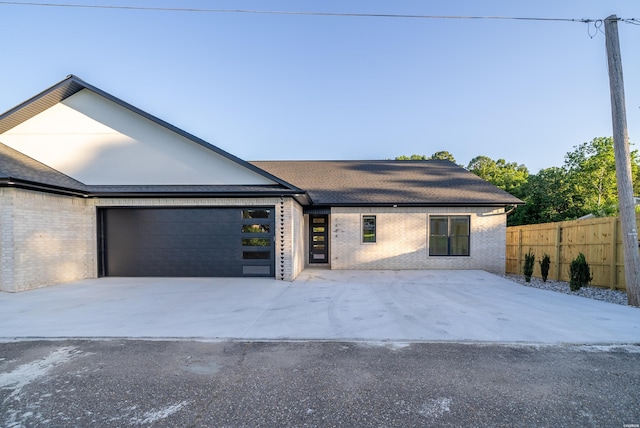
120 383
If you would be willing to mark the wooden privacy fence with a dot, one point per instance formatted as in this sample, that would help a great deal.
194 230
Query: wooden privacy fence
599 239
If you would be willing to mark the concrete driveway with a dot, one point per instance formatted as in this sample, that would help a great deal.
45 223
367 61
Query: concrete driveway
321 304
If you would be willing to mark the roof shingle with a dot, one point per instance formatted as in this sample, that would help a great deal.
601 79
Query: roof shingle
433 182
18 166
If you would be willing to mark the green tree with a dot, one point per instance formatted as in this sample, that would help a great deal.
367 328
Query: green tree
412 157
509 176
591 168
549 196
443 155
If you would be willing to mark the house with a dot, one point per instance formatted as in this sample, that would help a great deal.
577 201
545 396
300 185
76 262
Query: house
91 186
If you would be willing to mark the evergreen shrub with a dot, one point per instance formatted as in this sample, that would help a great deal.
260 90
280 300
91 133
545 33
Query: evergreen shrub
529 262
579 273
545 264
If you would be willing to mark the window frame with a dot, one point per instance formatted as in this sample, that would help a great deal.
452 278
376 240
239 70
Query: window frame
365 217
256 237
449 236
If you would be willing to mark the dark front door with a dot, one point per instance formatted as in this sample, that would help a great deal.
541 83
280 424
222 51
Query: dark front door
318 238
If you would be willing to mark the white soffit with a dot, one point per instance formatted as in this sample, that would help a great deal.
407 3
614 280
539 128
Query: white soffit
99 142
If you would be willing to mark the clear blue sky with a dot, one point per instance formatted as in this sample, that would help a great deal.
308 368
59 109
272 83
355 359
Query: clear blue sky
314 87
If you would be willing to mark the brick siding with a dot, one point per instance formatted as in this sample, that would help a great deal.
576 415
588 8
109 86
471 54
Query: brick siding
402 239
45 239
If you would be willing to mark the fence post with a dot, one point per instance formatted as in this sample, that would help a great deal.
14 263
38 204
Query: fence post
519 250
558 239
613 275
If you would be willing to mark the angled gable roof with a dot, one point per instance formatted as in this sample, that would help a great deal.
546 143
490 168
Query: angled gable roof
338 183
361 183
192 170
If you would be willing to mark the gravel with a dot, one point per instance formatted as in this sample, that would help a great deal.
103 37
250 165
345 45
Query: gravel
612 296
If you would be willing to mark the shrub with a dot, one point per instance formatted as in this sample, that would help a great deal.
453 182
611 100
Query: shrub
545 263
579 273
529 262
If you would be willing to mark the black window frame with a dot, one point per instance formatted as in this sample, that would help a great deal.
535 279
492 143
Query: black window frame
257 238
374 229
449 236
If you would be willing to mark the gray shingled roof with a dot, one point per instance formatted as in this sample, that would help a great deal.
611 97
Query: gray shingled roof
433 182
18 166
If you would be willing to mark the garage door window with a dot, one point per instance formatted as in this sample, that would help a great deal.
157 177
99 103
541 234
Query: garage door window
256 242
256 228
256 255
256 235
256 213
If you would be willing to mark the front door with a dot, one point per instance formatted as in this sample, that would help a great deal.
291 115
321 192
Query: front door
318 238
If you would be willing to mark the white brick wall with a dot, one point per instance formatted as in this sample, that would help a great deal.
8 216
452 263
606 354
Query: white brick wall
290 233
6 239
46 239
295 219
402 239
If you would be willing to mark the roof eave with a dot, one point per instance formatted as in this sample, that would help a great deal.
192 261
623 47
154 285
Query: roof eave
421 204
5 181
71 85
192 194
30 185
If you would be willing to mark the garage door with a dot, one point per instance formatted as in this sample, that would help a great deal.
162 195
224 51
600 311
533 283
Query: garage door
186 242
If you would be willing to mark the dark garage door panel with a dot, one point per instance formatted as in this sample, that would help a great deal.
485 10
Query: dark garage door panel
178 242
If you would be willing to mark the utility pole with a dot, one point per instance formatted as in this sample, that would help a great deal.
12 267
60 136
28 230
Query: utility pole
623 163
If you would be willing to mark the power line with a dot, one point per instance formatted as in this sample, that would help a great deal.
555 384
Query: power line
282 12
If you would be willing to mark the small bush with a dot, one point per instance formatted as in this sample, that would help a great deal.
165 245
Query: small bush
545 263
579 273
529 262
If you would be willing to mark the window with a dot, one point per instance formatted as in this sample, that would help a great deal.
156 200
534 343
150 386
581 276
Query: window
257 239
368 228
256 228
256 255
256 213
449 236
256 242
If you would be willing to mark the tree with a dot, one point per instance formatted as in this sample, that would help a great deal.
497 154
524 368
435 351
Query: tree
412 157
509 176
585 184
443 155
592 170
549 196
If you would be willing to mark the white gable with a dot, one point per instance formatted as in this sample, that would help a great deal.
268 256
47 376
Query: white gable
99 142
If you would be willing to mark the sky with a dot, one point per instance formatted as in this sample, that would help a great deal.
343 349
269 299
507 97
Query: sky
282 86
